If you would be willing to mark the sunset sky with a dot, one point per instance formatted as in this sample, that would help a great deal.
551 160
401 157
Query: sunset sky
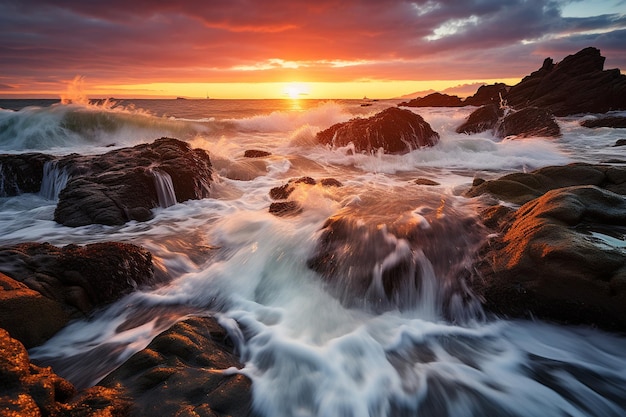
277 48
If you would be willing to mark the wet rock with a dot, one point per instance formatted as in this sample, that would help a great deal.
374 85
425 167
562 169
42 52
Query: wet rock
434 100
79 277
482 119
27 315
519 188
21 173
255 153
187 370
120 185
395 130
28 390
528 122
613 122
386 254
553 258
577 84
620 142
425 181
285 208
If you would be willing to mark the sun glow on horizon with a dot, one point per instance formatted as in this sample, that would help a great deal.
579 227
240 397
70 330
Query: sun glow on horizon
296 90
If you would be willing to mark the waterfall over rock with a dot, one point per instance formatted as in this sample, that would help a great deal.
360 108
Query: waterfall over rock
164 188
54 180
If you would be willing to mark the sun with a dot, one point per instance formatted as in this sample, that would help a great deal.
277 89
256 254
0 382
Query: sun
295 90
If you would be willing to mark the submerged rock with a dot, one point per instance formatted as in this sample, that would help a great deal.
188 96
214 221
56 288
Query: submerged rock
391 254
255 153
189 369
395 130
290 208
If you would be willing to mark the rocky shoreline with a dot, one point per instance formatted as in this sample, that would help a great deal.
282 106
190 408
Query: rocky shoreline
548 254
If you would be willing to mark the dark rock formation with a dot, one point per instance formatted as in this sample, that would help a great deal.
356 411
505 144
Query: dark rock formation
120 185
482 119
383 254
434 100
79 278
520 188
425 181
187 370
285 208
612 121
487 94
527 122
394 130
289 208
620 142
255 153
577 84
21 173
27 315
548 258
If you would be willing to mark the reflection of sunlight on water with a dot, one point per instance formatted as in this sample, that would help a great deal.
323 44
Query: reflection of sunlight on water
295 104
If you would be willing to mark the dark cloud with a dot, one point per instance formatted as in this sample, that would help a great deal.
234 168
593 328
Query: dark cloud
202 41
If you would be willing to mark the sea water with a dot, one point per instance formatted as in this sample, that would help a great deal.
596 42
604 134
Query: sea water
307 352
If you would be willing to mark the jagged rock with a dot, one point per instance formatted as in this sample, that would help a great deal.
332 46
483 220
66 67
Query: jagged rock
79 278
548 260
120 185
577 84
394 130
487 94
527 122
482 119
21 173
616 122
186 370
434 100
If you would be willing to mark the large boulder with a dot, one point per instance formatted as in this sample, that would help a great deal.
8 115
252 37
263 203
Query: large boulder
126 184
577 84
186 370
395 130
558 257
527 122
434 100
482 119
79 277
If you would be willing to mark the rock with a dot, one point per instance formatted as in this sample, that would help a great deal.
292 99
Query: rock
434 100
254 153
186 370
285 208
28 390
385 254
27 315
488 94
520 188
549 262
616 122
528 122
79 277
121 185
577 84
21 173
482 119
620 142
425 181
395 130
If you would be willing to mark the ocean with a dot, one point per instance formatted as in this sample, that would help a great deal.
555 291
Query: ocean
307 353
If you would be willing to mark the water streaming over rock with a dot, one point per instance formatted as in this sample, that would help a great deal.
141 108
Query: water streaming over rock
164 188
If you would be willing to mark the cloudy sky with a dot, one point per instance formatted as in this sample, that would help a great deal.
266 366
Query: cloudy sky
267 48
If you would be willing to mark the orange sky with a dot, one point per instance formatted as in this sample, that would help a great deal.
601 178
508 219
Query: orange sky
275 48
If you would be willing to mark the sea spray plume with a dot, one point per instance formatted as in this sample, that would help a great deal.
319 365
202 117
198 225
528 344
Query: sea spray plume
75 93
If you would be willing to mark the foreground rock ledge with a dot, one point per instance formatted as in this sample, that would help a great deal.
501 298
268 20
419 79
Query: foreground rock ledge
396 131
552 258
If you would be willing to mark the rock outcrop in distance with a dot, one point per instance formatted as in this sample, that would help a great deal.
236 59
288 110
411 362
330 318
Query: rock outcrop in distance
395 130
555 257
486 94
116 187
578 84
